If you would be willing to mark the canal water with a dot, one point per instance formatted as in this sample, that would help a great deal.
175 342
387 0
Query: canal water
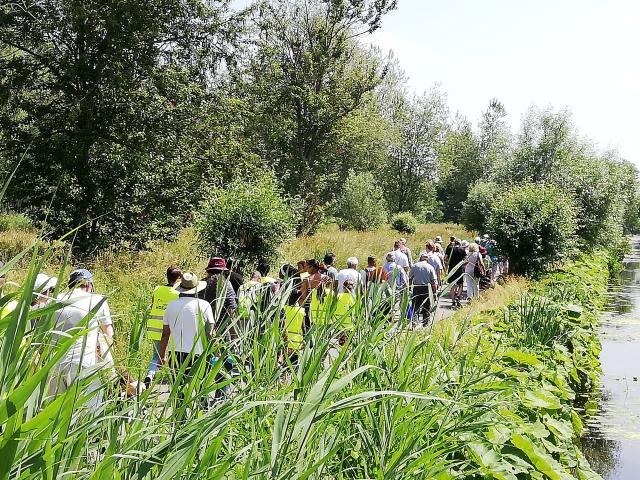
612 444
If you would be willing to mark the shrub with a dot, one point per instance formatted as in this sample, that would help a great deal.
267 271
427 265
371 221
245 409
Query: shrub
361 205
533 225
15 221
478 205
246 219
404 222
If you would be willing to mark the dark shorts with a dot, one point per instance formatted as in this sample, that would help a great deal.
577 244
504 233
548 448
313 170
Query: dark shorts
420 299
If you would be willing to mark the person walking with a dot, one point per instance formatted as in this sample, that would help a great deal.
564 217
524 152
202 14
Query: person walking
188 321
447 252
400 259
87 313
456 272
349 273
424 279
473 271
329 261
312 294
235 274
163 295
372 274
220 295
406 250
433 259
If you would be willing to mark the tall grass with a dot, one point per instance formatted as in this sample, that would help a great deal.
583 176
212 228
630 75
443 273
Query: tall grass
387 402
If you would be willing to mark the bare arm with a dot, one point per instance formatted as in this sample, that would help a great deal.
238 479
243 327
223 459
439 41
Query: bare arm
164 341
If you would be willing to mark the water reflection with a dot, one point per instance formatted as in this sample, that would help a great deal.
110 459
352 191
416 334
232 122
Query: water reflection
612 445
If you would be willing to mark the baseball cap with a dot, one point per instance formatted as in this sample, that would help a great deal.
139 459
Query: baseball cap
80 276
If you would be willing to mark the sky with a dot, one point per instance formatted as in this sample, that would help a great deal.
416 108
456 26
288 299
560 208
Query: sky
580 54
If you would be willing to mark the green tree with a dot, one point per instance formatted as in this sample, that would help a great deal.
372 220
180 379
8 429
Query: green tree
533 225
100 100
420 125
247 219
361 204
307 77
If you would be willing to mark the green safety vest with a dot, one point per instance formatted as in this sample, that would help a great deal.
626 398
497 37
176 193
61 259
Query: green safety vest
294 318
162 296
247 295
342 312
318 309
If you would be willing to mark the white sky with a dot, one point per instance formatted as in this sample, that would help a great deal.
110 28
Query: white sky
580 54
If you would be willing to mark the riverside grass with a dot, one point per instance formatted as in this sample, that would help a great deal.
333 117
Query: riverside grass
487 402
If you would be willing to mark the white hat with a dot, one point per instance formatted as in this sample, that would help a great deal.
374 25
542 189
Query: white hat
464 244
190 284
423 254
44 282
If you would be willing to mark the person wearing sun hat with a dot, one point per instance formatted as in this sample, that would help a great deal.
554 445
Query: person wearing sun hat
184 320
219 293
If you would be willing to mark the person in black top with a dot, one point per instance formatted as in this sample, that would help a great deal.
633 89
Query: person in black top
234 274
219 290
447 251
456 270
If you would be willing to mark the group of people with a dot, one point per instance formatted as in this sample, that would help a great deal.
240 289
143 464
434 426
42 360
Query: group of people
188 311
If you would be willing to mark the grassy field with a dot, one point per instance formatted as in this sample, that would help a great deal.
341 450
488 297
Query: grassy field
362 244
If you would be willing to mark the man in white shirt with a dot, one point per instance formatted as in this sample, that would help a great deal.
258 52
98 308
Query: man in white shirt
187 321
402 260
406 250
87 352
434 260
349 273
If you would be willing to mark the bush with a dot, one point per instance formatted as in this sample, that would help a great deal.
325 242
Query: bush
247 220
533 225
477 207
404 222
15 221
361 205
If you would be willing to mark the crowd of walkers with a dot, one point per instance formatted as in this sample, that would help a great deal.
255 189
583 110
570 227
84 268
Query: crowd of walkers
189 310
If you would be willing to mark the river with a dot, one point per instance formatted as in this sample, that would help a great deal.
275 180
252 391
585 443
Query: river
612 444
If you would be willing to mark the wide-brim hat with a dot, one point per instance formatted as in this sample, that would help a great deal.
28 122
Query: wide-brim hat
216 263
44 282
190 284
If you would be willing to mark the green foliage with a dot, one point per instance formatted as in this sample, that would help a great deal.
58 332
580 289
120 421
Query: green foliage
310 81
15 222
533 225
404 222
247 219
361 204
482 198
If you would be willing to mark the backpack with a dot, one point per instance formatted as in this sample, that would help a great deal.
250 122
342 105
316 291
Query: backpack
478 269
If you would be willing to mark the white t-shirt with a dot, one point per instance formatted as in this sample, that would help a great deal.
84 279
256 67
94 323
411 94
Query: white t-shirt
434 260
71 319
186 317
347 274
472 259
401 259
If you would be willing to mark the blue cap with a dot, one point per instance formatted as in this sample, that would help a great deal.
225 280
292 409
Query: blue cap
79 276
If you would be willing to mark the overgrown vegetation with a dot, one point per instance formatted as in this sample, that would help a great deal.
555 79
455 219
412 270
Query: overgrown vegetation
404 222
197 94
494 396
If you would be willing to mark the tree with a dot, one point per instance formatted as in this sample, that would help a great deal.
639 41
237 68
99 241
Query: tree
420 126
459 168
361 204
477 208
101 97
248 219
308 75
532 225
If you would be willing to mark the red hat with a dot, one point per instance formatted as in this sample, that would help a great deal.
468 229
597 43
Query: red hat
216 263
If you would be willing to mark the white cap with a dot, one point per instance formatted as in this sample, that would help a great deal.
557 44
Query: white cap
464 244
44 282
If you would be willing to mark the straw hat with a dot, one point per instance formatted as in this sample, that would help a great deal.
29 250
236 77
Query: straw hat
190 284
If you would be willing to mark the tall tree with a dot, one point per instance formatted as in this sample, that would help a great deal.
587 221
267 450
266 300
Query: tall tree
101 97
420 124
308 75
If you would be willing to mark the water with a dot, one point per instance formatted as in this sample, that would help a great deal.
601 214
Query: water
612 445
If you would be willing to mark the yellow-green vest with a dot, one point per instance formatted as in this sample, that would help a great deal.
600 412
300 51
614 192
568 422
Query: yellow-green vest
162 296
343 311
294 318
317 308
8 308
247 296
